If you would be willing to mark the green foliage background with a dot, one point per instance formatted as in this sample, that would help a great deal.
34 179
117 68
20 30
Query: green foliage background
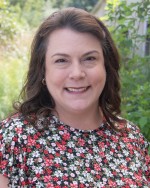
18 19
124 21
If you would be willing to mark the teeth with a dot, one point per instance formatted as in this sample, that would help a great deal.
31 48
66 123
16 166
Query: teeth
77 89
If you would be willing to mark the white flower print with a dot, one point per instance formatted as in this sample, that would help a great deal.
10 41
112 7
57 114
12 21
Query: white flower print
72 174
82 179
56 137
119 182
35 154
30 161
58 160
89 156
73 167
96 159
58 173
70 155
71 144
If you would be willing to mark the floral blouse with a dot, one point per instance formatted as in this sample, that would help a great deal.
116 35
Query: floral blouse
65 157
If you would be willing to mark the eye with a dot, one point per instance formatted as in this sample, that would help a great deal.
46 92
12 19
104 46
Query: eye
61 61
90 59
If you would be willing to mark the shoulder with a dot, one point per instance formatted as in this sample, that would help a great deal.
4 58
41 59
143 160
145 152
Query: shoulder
14 120
133 134
15 127
134 131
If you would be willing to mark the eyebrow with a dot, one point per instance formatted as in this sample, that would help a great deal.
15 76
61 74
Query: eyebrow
66 55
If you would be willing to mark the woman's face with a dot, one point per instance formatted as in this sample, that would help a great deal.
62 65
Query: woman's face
75 72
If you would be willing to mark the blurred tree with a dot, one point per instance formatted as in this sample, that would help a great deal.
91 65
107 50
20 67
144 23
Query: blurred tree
83 4
31 11
124 21
10 23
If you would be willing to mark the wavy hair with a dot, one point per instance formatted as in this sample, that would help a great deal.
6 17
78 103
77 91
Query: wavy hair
36 97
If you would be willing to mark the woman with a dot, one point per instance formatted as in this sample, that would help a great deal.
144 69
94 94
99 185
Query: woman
67 132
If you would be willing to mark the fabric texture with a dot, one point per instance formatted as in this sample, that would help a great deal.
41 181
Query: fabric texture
63 157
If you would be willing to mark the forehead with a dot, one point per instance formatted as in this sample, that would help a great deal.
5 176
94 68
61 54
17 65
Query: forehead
69 38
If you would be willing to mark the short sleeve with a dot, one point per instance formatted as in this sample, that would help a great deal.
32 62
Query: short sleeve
144 152
10 155
142 147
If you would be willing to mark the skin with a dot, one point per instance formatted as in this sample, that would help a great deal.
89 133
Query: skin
3 182
75 77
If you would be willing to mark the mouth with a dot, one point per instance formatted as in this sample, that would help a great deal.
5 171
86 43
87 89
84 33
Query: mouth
77 89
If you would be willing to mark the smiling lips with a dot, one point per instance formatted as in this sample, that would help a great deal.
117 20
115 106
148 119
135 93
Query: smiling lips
77 90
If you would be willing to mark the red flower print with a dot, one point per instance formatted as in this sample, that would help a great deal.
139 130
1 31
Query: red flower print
125 140
38 175
98 176
88 169
61 157
50 185
73 185
61 127
55 178
38 146
18 130
23 183
1 137
128 181
48 162
57 165
3 164
114 173
25 122
138 176
29 150
81 142
70 150
65 178
100 133
66 136
97 167
61 147
63 142
124 167
112 183
114 139
57 186
48 171
24 149
82 186
31 142
101 144
102 154
82 155
47 178
16 150
15 139
51 156
46 152
35 137
58 154
128 159
129 146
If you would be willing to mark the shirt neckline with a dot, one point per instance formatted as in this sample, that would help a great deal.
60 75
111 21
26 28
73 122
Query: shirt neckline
55 120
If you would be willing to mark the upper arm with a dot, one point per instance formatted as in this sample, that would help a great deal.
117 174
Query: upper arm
3 182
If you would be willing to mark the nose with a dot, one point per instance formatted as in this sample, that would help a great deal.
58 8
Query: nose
77 71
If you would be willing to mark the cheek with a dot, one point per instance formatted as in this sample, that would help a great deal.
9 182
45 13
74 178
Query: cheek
99 77
54 79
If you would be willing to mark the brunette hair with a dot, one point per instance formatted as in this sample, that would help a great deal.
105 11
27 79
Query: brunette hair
36 97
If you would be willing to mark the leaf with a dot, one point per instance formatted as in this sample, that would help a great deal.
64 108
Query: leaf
143 121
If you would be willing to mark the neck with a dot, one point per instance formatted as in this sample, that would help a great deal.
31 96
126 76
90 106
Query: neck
84 121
